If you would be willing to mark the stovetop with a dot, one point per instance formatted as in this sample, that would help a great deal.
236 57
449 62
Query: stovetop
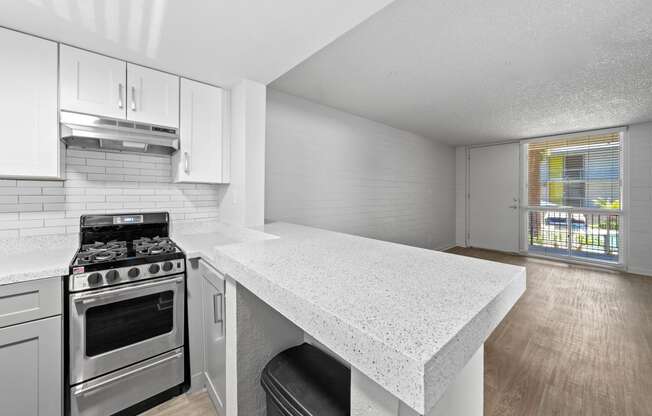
111 251
124 248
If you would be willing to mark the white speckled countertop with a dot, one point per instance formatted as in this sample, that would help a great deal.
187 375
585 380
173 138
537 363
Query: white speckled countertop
408 318
38 257
199 239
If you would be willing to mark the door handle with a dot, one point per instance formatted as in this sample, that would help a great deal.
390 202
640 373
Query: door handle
120 103
513 206
108 293
186 162
218 298
133 98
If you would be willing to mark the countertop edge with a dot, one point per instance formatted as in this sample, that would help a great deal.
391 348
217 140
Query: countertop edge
453 357
292 310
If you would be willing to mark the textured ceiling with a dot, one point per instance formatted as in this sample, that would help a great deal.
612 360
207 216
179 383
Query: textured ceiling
218 41
468 71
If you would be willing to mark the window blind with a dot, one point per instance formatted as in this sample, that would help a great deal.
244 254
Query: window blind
577 172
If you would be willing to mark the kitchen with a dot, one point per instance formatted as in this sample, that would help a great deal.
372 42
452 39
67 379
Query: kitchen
170 242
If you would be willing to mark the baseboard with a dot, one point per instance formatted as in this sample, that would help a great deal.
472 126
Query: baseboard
445 247
197 383
638 270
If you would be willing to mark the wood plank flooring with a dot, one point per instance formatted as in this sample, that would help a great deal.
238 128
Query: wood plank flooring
196 404
579 342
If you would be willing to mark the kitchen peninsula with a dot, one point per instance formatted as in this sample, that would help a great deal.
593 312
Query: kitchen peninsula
410 322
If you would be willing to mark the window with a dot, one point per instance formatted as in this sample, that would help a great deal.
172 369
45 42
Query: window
574 196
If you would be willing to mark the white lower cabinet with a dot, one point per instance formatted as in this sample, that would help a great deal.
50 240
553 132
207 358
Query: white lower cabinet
30 368
214 337
207 332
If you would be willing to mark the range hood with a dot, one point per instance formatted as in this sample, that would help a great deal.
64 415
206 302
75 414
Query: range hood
82 130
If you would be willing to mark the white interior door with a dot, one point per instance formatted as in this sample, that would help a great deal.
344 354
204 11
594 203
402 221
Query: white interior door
494 197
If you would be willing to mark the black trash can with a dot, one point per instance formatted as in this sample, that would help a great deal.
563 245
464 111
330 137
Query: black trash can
304 381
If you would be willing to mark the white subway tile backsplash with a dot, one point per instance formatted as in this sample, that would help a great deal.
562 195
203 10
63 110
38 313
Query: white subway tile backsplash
7 182
41 215
122 171
8 208
7 225
123 156
31 199
88 154
101 182
29 207
54 207
38 184
105 162
8 199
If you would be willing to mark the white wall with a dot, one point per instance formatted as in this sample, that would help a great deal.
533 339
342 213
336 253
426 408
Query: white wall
99 182
330 169
244 202
639 254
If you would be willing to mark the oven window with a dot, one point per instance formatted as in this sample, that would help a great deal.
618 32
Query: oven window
118 324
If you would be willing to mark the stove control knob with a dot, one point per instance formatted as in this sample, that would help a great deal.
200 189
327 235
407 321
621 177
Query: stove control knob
154 268
112 276
133 272
94 279
167 266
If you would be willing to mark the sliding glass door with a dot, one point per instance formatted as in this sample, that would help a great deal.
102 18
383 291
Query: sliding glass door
573 188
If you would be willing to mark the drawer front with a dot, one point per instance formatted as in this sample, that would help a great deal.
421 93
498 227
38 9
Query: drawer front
208 272
27 301
121 389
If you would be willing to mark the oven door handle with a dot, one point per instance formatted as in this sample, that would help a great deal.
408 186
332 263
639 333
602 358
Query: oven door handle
100 385
94 297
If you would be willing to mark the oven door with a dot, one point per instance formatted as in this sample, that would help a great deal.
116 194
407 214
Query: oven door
115 327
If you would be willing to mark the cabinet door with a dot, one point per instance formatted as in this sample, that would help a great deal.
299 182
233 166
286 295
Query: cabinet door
214 338
30 359
153 96
92 83
28 106
202 148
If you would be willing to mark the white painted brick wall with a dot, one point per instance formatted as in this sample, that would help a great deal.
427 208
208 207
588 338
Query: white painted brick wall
333 170
102 182
639 257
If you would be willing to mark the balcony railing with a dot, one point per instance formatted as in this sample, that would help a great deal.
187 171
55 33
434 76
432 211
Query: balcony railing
574 233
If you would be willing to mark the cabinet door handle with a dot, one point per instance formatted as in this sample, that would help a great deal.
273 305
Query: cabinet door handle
217 308
186 162
133 98
120 103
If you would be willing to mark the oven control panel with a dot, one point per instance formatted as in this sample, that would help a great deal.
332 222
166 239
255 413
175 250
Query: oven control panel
110 277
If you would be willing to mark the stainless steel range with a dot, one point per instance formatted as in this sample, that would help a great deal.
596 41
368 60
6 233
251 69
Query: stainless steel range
125 320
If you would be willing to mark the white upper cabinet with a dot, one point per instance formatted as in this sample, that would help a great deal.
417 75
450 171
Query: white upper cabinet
99 85
28 107
152 96
92 83
204 151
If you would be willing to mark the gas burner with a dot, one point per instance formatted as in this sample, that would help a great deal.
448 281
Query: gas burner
102 246
98 254
153 246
